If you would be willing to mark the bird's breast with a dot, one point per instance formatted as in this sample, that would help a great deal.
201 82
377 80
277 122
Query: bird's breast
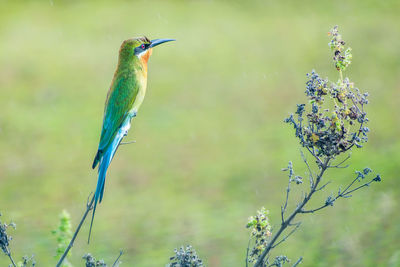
142 85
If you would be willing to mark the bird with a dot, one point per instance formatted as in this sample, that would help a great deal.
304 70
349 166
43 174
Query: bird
124 98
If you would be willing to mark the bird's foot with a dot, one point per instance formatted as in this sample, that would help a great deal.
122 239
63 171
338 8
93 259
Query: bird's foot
127 143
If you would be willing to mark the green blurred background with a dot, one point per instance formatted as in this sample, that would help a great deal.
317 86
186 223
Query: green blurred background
210 136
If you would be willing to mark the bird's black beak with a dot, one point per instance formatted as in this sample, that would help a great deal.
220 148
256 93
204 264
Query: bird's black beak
156 42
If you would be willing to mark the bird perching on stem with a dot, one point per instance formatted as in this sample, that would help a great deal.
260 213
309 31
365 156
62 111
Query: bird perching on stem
124 98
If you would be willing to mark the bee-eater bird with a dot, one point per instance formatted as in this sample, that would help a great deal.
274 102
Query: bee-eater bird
124 98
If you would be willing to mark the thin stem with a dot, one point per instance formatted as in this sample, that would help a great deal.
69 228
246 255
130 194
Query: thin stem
347 188
344 194
11 258
323 186
283 209
361 125
89 206
338 165
297 262
298 210
287 236
309 168
315 156
247 253
361 186
116 263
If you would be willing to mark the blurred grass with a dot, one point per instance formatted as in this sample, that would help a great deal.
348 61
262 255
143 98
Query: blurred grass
210 137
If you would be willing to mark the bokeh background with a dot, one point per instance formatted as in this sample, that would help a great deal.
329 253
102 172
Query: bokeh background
210 137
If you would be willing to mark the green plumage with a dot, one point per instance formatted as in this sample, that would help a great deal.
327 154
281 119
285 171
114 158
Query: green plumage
124 98
119 102
122 95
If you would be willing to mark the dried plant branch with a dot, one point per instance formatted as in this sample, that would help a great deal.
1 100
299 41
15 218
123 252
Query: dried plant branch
117 262
297 225
291 217
344 194
297 262
340 163
89 206
5 239
11 258
310 173
326 133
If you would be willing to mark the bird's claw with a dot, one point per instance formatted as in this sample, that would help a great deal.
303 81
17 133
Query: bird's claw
127 143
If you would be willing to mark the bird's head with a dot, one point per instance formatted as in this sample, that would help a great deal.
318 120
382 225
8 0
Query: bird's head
140 47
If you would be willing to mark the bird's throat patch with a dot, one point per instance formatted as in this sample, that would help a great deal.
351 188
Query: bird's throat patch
145 57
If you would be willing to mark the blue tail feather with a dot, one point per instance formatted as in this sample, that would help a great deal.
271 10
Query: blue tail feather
105 161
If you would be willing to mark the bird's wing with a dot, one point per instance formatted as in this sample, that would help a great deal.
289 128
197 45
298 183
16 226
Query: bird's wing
119 101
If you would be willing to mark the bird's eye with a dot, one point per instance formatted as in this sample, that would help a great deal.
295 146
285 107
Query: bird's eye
142 46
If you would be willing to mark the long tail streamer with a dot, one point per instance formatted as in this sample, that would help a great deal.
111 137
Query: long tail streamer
105 161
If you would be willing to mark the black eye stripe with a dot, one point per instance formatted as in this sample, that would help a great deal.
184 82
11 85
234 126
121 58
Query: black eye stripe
141 48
